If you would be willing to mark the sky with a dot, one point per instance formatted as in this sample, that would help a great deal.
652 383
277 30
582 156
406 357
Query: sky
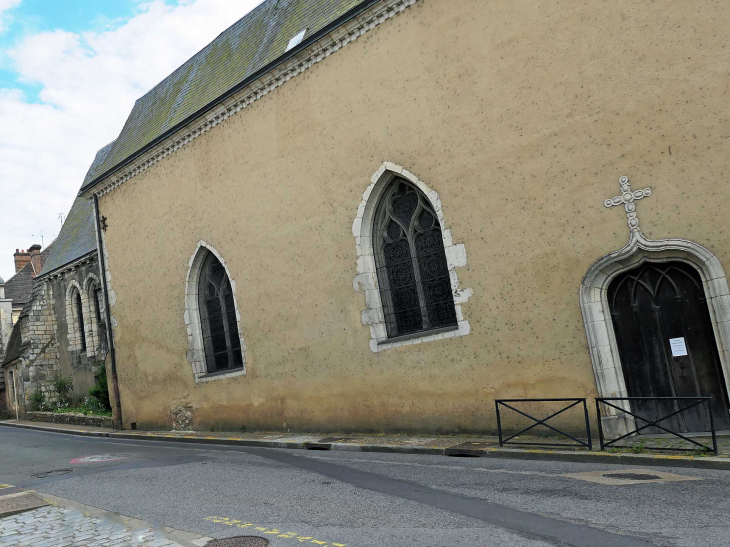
70 71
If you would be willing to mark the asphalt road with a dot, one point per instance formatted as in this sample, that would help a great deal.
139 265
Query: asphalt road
369 500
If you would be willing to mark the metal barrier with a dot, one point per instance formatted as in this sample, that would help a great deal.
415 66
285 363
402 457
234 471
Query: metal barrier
655 423
543 422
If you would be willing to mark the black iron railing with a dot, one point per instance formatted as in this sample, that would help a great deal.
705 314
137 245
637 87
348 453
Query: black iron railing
648 422
507 403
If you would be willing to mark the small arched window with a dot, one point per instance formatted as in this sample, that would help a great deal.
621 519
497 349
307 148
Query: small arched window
413 274
80 319
94 292
221 340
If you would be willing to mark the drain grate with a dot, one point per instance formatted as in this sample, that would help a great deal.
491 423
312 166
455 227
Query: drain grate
239 541
468 450
632 476
53 473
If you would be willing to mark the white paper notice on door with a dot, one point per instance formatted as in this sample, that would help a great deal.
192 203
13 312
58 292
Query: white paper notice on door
679 348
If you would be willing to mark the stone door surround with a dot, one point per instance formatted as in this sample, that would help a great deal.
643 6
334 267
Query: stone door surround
597 318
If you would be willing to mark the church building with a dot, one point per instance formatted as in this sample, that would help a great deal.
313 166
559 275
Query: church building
386 214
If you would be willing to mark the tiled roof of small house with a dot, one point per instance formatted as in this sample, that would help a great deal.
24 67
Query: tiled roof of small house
78 233
19 287
241 51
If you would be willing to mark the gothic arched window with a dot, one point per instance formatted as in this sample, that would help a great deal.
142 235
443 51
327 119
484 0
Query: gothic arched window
221 341
413 275
80 318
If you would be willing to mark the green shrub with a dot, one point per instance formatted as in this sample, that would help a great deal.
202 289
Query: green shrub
38 400
100 391
63 385
89 407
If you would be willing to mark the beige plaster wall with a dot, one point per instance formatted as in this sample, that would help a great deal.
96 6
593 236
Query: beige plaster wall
521 115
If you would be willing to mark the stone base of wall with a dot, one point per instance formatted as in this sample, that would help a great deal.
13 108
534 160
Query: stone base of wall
72 419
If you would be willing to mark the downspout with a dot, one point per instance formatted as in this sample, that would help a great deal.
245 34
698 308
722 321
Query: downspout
107 310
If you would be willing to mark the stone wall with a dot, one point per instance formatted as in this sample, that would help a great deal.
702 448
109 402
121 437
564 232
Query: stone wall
39 366
50 323
77 360
72 419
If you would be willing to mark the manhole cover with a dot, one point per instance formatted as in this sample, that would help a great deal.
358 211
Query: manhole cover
239 541
53 473
632 476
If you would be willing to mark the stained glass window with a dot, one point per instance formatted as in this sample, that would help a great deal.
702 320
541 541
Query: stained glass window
221 341
413 275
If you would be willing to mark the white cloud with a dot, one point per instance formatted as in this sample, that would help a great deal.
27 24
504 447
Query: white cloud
88 84
6 6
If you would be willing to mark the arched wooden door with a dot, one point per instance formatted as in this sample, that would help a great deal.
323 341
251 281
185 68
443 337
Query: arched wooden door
666 343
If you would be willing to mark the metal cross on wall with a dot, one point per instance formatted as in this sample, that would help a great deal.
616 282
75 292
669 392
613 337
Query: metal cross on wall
628 198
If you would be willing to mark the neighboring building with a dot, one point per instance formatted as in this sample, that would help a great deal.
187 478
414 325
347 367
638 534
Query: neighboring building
6 327
28 264
15 294
395 218
61 329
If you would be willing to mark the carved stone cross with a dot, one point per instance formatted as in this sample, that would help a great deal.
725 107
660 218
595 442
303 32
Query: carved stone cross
628 198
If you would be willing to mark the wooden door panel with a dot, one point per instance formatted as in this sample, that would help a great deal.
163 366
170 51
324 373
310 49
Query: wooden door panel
649 306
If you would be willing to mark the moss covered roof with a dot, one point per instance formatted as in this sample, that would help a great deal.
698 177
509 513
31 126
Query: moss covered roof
255 41
78 233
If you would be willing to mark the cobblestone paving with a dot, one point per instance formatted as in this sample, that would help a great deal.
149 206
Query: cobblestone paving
62 527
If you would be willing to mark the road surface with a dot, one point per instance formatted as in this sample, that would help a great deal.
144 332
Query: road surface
372 500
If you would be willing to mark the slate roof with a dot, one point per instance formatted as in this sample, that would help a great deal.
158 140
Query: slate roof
78 233
99 159
19 287
240 52
76 239
16 348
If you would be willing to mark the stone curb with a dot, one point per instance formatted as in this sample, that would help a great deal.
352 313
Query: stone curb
505 453
26 500
49 429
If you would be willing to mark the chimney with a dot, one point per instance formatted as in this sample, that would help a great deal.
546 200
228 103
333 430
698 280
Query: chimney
35 259
21 259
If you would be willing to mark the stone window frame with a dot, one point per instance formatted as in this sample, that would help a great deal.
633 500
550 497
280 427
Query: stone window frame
196 353
607 367
93 338
366 278
72 321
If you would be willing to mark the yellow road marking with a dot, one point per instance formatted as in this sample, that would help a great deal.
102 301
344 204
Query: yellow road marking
273 531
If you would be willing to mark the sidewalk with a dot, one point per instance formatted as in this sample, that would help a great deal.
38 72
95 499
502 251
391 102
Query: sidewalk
39 520
637 451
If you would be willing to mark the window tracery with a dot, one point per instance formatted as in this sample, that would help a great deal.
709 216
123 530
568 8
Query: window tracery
412 270
221 342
